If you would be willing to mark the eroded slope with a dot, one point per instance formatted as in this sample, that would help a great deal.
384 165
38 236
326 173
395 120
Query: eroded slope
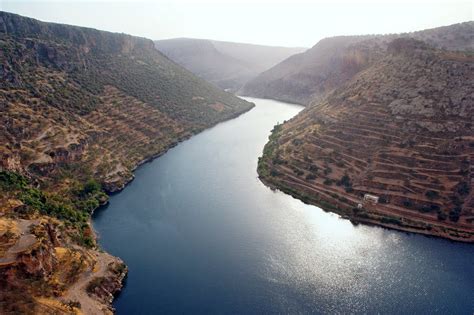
335 60
401 130
80 110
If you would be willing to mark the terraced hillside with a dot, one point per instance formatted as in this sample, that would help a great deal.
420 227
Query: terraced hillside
80 110
225 64
333 61
401 130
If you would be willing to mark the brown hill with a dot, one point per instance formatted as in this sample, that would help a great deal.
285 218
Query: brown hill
80 110
333 61
401 130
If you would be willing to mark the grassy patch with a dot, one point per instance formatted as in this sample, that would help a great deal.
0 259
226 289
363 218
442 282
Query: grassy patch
73 206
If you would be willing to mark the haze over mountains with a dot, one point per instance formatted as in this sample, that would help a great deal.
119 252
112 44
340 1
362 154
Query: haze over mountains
387 115
227 65
334 60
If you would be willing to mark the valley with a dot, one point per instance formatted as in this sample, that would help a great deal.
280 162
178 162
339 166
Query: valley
225 64
210 236
333 61
399 128
289 180
80 110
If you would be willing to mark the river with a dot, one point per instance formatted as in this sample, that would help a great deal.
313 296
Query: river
201 234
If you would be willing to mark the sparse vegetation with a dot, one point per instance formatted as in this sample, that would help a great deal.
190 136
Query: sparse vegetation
80 109
328 181
379 131
431 194
395 221
454 214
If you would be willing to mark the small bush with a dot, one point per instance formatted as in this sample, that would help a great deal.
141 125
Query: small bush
383 199
431 194
395 221
313 168
12 181
442 216
407 203
463 188
91 187
454 214
328 182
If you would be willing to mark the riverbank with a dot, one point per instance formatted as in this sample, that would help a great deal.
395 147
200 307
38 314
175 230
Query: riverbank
209 236
67 248
106 292
346 206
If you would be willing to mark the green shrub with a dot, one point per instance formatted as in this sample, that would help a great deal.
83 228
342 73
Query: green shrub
391 220
274 172
463 188
407 203
313 168
91 187
88 242
454 214
441 215
383 199
12 181
327 170
328 182
431 194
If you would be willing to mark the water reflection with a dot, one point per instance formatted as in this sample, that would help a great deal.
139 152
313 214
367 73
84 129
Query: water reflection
201 234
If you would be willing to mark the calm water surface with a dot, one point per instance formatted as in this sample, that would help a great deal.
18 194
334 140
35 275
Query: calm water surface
201 234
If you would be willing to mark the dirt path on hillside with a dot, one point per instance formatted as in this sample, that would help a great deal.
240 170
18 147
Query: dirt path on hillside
77 292
24 243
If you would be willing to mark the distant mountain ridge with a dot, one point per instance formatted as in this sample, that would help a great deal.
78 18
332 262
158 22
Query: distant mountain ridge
332 61
226 64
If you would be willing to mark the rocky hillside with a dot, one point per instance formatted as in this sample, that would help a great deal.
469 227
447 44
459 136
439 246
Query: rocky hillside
80 110
225 64
401 129
333 61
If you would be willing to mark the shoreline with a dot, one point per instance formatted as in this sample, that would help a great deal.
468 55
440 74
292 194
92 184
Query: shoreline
146 160
166 149
355 220
273 98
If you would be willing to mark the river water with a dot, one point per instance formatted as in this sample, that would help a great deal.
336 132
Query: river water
201 234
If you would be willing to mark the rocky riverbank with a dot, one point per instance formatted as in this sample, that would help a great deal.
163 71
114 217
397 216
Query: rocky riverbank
401 131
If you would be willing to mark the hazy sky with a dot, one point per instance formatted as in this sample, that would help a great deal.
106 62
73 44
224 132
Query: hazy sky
283 23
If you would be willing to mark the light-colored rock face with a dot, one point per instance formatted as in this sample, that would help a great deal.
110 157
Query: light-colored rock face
402 130
38 249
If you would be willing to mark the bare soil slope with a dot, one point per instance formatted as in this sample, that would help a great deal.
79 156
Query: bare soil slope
402 130
333 61
80 109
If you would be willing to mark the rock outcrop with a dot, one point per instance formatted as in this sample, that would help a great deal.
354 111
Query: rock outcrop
401 130
39 271
334 61
80 109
